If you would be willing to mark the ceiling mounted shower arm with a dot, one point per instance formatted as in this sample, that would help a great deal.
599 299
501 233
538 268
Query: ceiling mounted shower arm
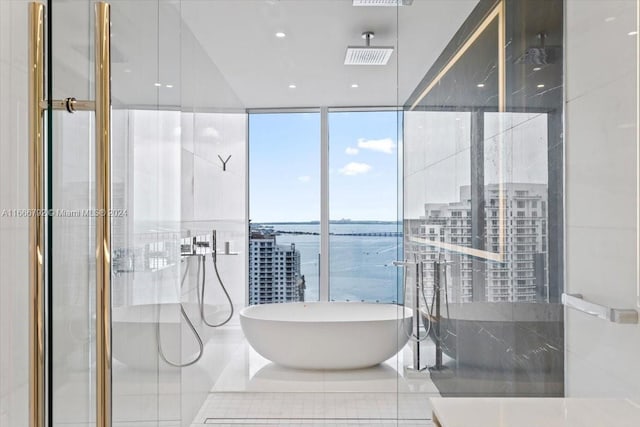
367 36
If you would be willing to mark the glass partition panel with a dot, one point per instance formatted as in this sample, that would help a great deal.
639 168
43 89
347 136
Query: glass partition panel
14 230
478 212
71 193
150 343
73 293
145 325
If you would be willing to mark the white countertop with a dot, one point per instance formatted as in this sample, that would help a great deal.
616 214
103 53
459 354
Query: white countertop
536 412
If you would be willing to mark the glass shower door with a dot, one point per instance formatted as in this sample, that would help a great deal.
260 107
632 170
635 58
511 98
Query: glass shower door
71 223
112 246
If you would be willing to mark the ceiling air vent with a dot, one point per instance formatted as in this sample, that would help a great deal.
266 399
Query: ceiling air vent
368 55
382 3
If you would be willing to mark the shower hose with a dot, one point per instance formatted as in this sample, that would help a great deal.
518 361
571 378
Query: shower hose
200 292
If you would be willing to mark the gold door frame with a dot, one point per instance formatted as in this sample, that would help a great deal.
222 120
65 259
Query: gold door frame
102 106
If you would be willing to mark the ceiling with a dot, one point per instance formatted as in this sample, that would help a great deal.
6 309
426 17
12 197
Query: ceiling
239 36
221 54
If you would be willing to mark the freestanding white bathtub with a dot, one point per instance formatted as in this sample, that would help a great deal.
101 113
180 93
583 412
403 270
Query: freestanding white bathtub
326 335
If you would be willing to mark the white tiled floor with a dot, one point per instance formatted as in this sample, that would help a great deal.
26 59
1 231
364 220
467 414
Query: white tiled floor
248 371
309 408
253 391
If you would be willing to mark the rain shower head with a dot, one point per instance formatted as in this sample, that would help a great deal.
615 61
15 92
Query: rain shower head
539 55
368 55
382 2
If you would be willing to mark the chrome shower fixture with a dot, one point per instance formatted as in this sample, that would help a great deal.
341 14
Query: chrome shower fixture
368 55
541 54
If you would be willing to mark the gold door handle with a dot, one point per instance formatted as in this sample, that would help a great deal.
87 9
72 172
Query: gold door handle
103 206
36 217
102 106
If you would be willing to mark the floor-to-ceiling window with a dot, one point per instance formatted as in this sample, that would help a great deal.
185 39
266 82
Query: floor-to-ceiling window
284 191
363 236
286 205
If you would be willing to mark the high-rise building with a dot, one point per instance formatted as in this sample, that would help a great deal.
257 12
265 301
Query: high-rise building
274 270
520 273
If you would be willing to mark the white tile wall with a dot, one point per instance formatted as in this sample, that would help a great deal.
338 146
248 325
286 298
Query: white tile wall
13 231
601 201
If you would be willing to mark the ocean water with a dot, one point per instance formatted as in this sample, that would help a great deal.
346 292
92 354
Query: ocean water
360 267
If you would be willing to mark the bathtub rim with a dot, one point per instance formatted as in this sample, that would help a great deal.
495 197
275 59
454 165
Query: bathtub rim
167 312
243 313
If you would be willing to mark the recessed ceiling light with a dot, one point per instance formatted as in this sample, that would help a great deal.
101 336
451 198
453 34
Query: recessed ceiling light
157 84
480 84
292 86
610 19
632 33
168 86
280 35
540 86
537 68
355 85
127 70
457 119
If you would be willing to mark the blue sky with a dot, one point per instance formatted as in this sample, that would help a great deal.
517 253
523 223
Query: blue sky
284 166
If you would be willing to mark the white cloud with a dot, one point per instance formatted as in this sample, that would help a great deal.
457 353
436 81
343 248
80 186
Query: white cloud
355 168
351 151
304 178
385 145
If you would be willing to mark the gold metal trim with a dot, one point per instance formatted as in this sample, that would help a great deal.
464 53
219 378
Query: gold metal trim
71 105
502 199
496 12
103 205
36 220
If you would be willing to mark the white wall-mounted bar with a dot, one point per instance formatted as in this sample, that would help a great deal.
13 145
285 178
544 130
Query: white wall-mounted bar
616 315
103 206
36 219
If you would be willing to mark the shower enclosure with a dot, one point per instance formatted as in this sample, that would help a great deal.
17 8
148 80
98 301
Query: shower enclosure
484 202
141 140
121 120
